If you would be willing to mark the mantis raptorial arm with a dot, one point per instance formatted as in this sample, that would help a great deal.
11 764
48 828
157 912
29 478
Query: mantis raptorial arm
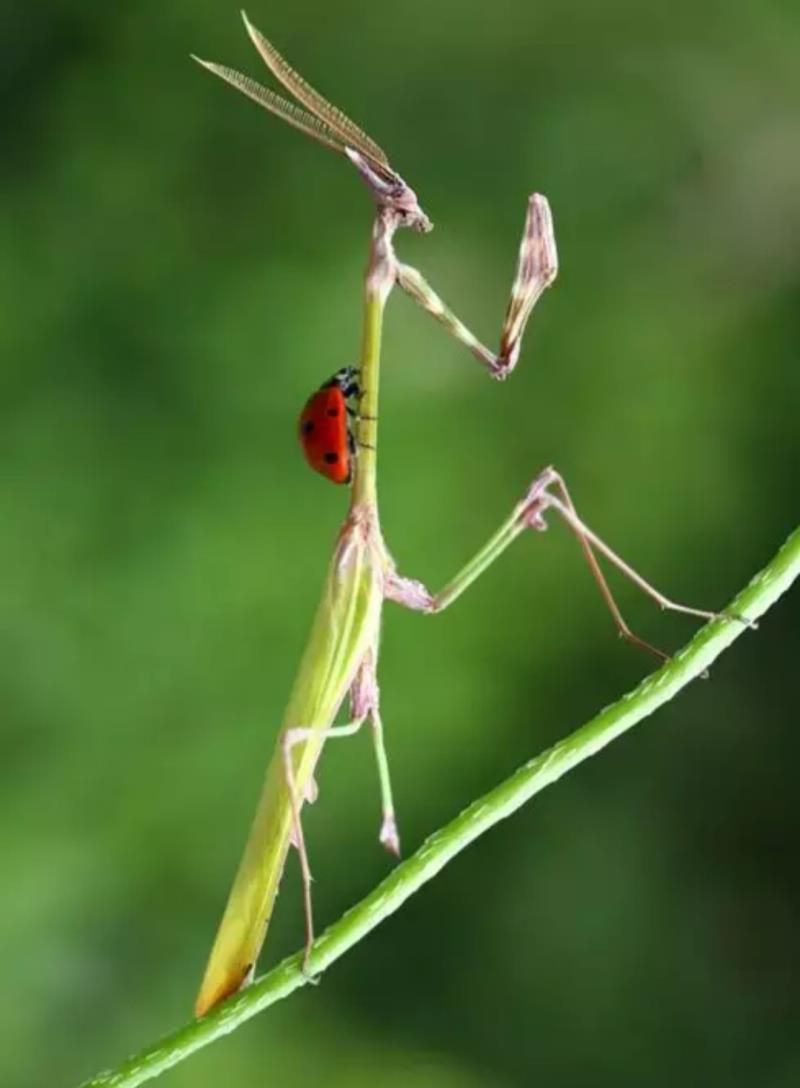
536 269
547 492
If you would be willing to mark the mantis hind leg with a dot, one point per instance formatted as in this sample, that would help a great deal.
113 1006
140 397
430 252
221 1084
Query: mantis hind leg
364 699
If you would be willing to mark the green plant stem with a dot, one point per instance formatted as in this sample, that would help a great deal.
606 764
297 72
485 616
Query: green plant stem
657 689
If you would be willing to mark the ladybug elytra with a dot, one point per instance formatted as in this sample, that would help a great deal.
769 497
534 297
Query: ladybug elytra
326 433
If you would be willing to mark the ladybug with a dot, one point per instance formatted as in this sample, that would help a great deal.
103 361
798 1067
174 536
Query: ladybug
326 433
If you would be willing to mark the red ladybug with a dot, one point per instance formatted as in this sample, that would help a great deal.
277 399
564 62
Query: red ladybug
325 431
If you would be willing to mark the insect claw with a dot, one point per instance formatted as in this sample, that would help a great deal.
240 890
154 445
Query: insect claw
736 617
313 978
311 790
535 520
389 837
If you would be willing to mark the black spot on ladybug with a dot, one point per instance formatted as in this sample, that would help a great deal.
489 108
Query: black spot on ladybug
333 412
308 426
331 458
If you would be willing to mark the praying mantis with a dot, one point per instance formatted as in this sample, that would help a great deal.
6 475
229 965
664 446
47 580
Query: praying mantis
341 657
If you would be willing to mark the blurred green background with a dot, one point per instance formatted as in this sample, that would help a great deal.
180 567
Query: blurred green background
178 271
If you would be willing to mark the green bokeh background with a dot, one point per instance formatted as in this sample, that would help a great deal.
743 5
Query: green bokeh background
177 273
